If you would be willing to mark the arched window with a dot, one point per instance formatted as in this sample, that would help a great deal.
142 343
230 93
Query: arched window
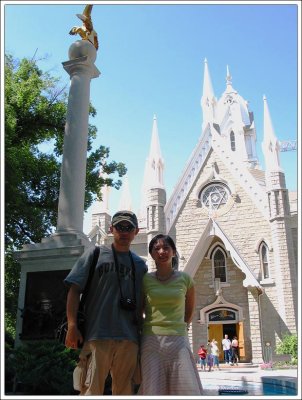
219 264
232 140
264 260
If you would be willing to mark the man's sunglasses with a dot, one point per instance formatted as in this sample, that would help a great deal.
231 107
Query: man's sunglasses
124 228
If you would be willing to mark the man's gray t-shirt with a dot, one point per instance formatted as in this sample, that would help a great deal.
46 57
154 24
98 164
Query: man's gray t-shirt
105 318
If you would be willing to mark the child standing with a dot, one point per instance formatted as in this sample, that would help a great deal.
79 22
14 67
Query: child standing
202 352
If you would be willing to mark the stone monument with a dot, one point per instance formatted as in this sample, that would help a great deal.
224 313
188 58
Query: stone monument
44 265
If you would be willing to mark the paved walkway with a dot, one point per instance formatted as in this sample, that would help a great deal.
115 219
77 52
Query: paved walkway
250 378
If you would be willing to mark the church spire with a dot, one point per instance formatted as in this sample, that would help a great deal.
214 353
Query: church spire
154 170
208 100
270 145
103 205
155 162
100 215
125 202
228 79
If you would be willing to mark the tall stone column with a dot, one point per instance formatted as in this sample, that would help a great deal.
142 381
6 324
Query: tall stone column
45 264
81 69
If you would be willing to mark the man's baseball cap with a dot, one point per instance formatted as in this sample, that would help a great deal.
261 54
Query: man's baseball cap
126 216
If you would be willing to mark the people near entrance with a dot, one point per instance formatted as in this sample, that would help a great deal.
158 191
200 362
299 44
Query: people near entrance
112 315
209 356
215 354
167 363
234 349
226 346
202 353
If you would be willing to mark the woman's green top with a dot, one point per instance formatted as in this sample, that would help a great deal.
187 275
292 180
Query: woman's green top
165 304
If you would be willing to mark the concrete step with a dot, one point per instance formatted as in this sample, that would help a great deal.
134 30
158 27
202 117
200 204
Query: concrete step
240 365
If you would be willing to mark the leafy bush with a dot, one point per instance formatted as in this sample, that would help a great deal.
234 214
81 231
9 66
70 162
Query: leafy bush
41 368
285 365
289 345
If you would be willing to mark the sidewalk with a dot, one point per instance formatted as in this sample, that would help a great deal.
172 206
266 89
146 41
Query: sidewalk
251 378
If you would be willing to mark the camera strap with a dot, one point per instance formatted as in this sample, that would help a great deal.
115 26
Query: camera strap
117 269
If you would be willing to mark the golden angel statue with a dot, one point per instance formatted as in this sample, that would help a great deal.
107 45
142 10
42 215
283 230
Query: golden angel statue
86 30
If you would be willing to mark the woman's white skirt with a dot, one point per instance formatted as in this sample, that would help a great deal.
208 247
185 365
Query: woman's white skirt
168 367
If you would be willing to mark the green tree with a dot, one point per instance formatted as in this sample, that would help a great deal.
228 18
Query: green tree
35 112
289 345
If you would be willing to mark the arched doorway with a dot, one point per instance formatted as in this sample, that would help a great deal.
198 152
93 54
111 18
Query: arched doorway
225 321
224 318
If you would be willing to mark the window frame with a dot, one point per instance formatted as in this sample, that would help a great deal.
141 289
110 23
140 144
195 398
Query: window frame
215 250
265 269
213 184
232 141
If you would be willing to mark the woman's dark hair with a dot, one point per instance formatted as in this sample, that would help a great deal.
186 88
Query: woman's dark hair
167 240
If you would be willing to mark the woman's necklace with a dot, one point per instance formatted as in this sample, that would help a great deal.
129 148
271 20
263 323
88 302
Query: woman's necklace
166 278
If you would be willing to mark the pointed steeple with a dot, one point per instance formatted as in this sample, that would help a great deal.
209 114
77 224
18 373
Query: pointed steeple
155 162
229 79
125 202
154 170
100 212
270 144
207 83
208 99
103 206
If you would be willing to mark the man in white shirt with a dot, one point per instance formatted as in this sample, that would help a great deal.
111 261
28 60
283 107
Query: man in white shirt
226 346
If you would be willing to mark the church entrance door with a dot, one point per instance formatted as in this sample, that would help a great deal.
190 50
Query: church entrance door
217 332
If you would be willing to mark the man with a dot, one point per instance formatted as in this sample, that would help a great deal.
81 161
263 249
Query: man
112 310
226 346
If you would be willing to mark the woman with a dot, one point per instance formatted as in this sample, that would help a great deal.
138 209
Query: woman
235 355
209 356
168 365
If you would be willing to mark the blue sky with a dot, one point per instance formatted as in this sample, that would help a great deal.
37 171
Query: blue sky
151 59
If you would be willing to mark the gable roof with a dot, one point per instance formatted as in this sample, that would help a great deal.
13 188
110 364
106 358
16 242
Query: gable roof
191 170
213 229
211 140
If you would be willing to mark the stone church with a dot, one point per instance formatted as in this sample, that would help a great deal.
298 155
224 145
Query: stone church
234 224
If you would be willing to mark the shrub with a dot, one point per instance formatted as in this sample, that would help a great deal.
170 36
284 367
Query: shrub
42 368
289 345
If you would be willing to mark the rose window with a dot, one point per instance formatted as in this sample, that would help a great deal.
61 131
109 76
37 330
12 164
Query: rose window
215 196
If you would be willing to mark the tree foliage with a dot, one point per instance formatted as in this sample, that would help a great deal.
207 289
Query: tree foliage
35 111
288 345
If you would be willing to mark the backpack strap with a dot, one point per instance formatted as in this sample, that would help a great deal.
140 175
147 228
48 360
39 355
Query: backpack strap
91 272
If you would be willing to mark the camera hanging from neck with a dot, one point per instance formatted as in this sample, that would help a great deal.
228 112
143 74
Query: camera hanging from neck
126 303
